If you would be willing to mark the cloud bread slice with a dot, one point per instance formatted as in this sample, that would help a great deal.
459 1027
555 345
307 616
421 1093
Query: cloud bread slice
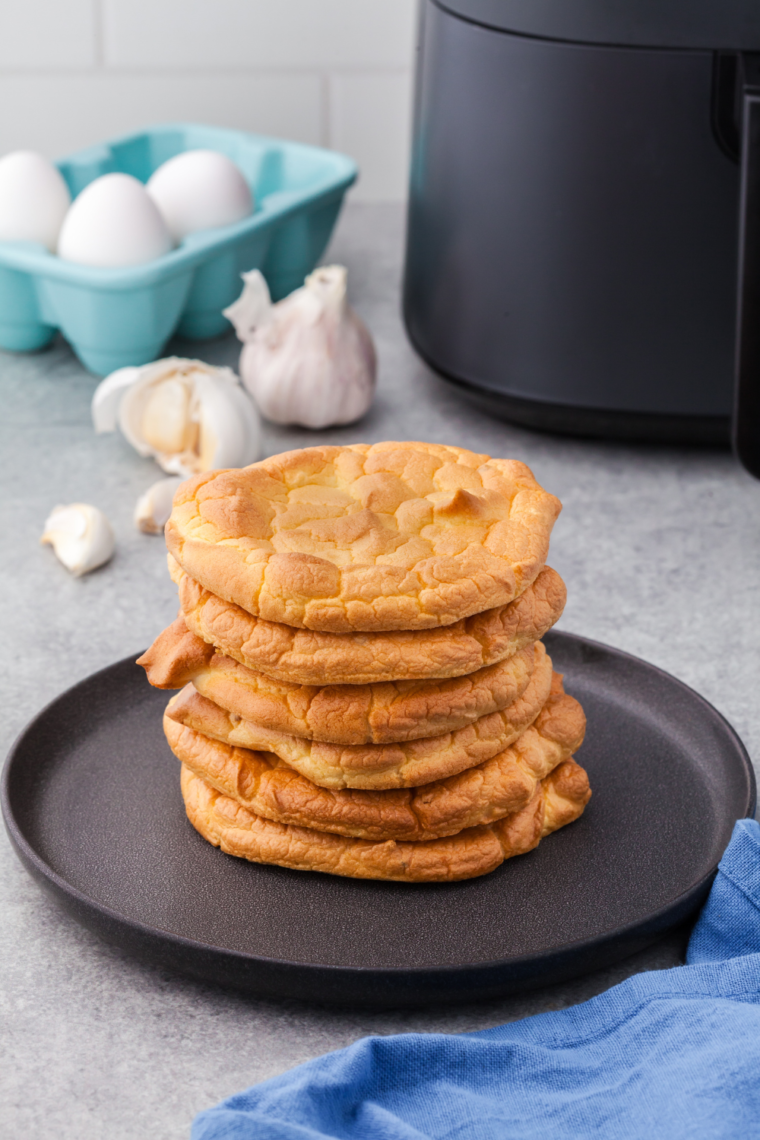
558 800
382 712
499 787
310 657
392 536
374 767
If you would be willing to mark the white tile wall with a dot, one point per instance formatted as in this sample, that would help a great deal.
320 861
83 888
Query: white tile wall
61 113
47 33
257 33
332 72
370 119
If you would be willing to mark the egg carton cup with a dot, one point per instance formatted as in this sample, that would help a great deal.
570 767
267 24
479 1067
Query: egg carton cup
118 317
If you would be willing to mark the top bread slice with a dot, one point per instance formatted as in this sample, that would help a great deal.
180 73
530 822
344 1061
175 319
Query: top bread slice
392 536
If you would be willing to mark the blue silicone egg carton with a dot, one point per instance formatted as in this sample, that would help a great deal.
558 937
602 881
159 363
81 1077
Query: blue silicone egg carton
117 317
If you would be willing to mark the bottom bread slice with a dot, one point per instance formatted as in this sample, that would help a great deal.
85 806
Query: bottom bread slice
558 800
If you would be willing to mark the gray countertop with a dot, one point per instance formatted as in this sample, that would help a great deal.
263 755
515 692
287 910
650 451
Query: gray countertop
660 549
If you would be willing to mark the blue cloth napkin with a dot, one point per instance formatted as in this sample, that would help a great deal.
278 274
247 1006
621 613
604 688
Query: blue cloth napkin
667 1054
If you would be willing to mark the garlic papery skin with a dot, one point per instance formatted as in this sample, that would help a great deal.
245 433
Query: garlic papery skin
81 537
107 397
252 307
309 359
187 415
154 507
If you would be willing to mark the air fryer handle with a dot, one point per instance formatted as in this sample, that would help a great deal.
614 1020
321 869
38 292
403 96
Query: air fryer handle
746 429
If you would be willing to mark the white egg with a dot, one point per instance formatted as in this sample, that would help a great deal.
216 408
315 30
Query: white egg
33 198
198 190
113 222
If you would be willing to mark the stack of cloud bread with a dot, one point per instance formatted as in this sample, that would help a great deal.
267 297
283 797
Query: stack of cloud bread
364 691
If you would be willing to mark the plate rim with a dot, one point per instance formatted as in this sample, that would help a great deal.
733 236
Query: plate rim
34 862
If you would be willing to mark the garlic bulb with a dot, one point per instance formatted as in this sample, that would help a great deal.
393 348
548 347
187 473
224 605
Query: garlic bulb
154 507
81 537
187 415
309 359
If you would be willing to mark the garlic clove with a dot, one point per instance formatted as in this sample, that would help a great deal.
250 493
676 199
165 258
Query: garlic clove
81 537
154 507
165 423
190 417
107 397
311 361
142 402
229 426
252 306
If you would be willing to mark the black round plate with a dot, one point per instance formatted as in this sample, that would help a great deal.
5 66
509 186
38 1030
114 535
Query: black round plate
91 800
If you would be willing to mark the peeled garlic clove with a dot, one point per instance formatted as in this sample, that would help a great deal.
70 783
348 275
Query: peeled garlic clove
165 424
81 537
310 360
107 397
154 507
188 416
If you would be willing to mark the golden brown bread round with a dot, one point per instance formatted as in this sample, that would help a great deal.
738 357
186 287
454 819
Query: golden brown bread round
380 713
392 536
309 657
558 800
267 787
373 767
